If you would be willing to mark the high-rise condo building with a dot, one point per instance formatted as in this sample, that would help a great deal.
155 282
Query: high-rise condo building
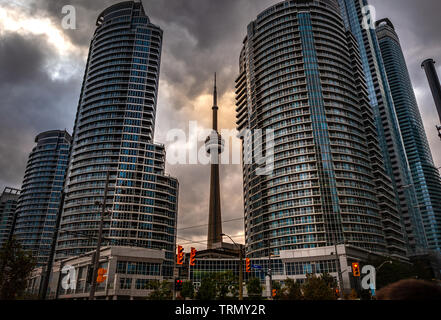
8 205
39 201
301 75
357 18
114 132
424 173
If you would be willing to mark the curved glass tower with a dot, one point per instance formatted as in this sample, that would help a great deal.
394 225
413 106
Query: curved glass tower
114 131
389 134
424 173
39 201
301 75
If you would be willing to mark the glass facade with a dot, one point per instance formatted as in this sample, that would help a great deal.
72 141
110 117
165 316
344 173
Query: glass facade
8 205
389 134
424 173
139 268
40 197
114 132
280 269
301 75
207 266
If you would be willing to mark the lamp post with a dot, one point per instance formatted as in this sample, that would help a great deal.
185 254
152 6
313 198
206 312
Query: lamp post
388 261
100 236
240 266
339 272
44 286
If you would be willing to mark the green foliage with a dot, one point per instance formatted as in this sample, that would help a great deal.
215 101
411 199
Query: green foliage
207 290
161 290
254 289
16 266
317 288
292 290
219 285
226 285
330 280
187 290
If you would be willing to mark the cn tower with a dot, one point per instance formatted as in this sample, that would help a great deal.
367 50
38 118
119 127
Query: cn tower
214 146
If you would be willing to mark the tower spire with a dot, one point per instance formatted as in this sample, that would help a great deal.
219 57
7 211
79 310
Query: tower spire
215 107
215 92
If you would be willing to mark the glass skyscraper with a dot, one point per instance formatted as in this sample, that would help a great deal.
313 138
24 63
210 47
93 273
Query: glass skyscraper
424 173
8 205
114 132
389 134
40 197
301 75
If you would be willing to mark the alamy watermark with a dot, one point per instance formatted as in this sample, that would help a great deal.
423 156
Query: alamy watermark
368 282
69 21
369 17
69 281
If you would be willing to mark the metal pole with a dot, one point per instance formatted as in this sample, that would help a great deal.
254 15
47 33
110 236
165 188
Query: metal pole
269 270
98 246
57 291
340 280
240 273
46 276
240 266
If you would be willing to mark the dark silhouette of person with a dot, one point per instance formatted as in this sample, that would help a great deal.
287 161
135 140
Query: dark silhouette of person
410 289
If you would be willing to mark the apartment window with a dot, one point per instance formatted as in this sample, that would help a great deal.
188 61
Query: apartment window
125 283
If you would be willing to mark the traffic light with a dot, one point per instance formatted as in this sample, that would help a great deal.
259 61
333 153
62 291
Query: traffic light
274 292
337 292
193 257
180 257
178 284
248 265
356 269
101 275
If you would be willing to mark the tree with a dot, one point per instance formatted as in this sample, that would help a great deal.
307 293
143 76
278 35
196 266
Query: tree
317 288
226 285
161 290
292 290
254 288
187 290
218 285
16 266
330 281
207 290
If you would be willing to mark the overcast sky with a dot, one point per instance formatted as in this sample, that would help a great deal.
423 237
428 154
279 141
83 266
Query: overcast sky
42 65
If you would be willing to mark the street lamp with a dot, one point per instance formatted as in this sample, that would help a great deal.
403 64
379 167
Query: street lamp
100 236
388 261
339 272
240 266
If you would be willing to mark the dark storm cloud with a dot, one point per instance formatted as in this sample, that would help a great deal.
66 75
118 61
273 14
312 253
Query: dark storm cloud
30 101
200 36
